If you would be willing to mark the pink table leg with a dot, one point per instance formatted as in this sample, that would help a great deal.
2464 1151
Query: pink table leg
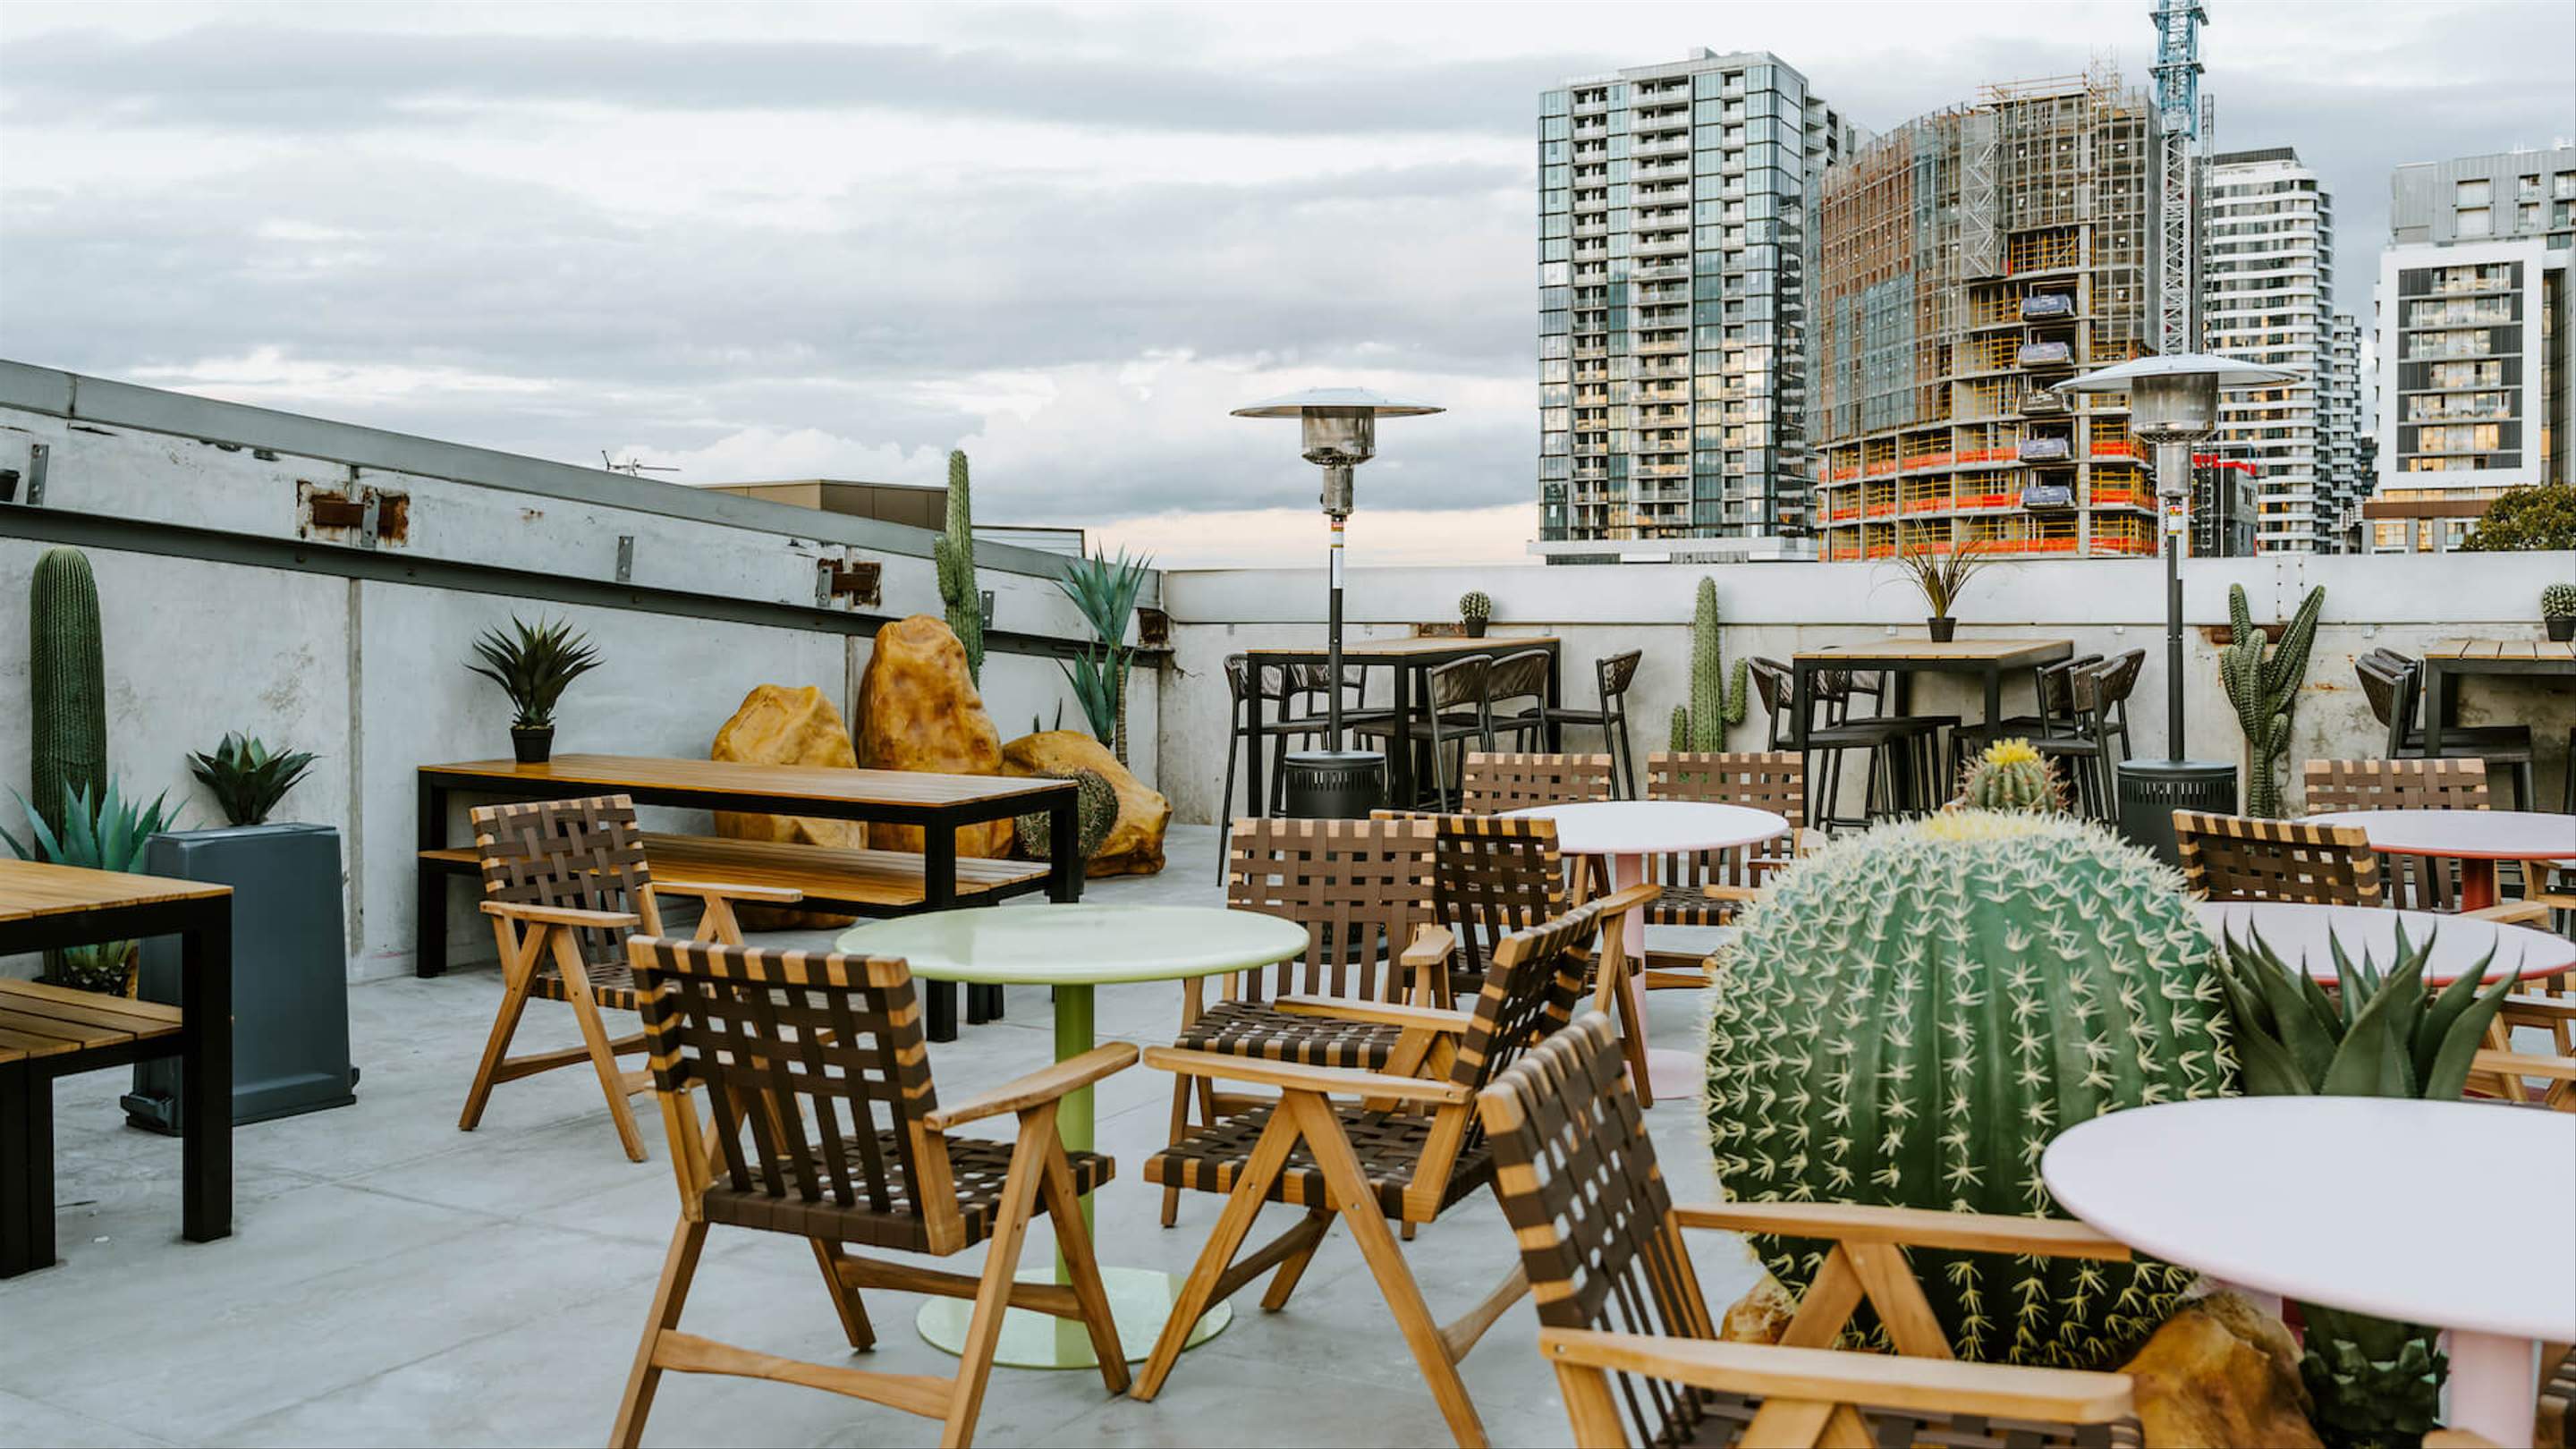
1673 1074
2493 1389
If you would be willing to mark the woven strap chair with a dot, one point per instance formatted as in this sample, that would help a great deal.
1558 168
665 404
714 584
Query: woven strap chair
1495 784
2236 858
2425 882
1362 890
1632 1341
564 881
827 1128
1708 888
1407 1149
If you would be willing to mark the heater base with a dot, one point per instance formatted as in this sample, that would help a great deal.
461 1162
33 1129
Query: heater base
2152 790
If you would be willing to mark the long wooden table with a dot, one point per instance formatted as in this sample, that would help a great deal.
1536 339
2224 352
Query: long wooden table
49 1031
2484 656
1409 659
1988 659
878 885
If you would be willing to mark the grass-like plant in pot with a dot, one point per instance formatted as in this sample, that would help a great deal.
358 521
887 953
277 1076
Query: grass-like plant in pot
105 832
2379 1034
1940 576
2558 611
533 666
1475 609
247 778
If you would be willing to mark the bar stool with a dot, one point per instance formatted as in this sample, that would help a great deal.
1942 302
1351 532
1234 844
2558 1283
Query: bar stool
2056 684
1516 700
1612 673
2394 685
1908 755
1776 687
1455 715
1279 725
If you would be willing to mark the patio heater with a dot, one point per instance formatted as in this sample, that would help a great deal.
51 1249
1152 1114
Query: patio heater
1340 433
2173 403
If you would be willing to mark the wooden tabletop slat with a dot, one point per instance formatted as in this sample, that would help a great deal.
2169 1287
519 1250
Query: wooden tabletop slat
732 777
2535 651
88 1008
1425 644
1955 651
32 1036
31 888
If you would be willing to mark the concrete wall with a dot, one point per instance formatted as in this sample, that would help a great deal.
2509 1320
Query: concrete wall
370 674
2107 606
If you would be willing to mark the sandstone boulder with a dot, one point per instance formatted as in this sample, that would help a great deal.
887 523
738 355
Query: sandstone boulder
919 710
1761 1316
787 725
1135 843
2221 1372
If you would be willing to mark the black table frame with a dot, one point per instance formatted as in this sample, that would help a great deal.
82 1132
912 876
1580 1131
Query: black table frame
2437 687
1989 672
1407 666
939 824
203 1044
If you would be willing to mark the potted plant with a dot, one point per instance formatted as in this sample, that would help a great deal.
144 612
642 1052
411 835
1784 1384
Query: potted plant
105 832
533 667
247 779
1941 577
2558 611
1475 607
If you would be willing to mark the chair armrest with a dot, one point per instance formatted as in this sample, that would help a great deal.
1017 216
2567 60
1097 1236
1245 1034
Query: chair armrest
1915 1385
1915 1227
1620 903
2511 912
2539 1010
1432 946
730 891
2524 1064
1046 1084
563 916
1292 1077
1383 1013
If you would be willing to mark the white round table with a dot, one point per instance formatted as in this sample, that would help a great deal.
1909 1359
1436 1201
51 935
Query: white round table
1074 948
2343 1201
2477 839
2299 934
1625 833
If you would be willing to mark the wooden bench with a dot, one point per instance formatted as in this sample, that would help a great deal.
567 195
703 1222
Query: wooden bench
48 1032
851 882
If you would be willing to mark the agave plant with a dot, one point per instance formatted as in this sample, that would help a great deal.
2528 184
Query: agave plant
534 667
247 779
2381 1034
1942 576
1104 591
106 833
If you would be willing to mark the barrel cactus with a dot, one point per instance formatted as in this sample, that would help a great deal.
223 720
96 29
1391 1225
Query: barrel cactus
1715 701
2010 775
66 684
1913 1013
1095 808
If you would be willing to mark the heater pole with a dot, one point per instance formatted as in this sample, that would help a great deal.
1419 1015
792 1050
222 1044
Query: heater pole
2173 480
1333 644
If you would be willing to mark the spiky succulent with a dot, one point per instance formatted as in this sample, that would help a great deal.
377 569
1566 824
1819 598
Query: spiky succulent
2558 601
2010 775
1912 1014
1095 808
2262 682
1475 604
533 666
1716 701
101 832
248 780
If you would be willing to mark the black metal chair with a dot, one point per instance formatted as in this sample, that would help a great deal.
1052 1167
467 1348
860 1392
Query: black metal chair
1289 712
1454 716
1832 738
2394 685
1516 700
1613 673
2057 716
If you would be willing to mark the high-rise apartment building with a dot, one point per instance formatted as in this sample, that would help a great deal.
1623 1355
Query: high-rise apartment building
2267 296
2474 321
2342 482
1674 253
1970 259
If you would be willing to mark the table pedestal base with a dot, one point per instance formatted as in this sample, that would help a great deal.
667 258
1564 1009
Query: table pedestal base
2493 1391
1140 1299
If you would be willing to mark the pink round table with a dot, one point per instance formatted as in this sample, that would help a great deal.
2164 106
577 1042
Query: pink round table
1624 833
2475 838
2300 934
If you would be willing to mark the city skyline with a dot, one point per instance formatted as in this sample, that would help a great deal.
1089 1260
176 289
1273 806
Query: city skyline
792 242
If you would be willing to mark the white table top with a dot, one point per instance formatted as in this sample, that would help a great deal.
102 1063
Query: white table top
2353 1202
1078 945
2465 834
1656 827
2297 933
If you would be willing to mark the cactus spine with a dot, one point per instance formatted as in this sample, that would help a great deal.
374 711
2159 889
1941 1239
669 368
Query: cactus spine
66 683
1914 1012
2011 775
954 552
1715 701
2263 683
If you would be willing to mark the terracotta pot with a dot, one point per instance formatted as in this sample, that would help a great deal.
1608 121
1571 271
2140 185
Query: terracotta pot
1942 627
532 746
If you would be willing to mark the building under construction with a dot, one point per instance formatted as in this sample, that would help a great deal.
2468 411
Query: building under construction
1969 260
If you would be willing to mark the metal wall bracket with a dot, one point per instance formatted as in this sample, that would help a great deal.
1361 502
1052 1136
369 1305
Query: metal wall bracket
848 583
38 455
626 558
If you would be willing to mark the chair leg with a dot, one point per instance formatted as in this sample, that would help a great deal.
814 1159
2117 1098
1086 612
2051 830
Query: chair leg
1627 756
1180 1129
678 1267
1225 801
845 1296
1284 1281
1081 1263
1198 1291
594 1034
1001 1261
518 966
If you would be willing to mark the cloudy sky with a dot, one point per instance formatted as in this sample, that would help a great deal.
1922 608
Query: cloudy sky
831 239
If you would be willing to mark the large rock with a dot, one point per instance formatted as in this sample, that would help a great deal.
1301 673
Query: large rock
919 710
1761 1316
2221 1372
787 725
1135 843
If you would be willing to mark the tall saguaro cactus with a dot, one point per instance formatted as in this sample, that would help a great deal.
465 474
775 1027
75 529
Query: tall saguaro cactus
1715 701
2262 681
66 683
954 553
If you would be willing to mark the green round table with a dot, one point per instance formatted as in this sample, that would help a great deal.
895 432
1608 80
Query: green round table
1074 948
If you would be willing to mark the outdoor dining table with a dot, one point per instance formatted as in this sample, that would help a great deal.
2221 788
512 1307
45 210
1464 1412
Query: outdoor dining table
1411 661
1989 660
1624 833
2477 839
2304 935
2483 656
1074 948
2313 1187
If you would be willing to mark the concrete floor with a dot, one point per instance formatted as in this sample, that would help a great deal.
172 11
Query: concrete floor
393 1281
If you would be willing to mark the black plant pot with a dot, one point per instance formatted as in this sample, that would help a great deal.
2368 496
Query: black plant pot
532 746
1942 627
2562 630
1475 628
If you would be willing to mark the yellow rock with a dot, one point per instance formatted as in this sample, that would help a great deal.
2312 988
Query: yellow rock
2221 1373
919 710
1135 843
1761 1316
787 725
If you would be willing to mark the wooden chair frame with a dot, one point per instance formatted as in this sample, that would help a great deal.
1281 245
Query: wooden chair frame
1705 888
2239 858
1307 1117
536 855
1040 1178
